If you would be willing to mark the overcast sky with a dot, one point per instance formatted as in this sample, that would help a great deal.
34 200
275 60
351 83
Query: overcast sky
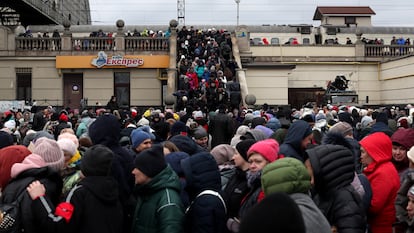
251 12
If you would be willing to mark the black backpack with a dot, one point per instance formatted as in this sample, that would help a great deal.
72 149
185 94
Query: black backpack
10 215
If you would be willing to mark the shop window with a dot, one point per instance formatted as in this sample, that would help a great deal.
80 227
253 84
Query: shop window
122 84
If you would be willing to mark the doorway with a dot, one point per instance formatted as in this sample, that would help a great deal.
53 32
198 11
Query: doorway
72 91
298 97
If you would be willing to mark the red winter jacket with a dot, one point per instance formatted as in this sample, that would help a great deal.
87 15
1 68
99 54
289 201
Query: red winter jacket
384 180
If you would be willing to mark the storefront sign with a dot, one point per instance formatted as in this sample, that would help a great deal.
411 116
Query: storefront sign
103 60
107 61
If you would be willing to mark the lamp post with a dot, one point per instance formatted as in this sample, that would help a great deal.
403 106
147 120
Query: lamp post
237 2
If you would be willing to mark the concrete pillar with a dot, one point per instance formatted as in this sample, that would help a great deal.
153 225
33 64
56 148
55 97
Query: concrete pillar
172 69
359 47
120 37
66 38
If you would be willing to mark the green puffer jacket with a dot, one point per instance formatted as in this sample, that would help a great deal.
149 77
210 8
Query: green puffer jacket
288 175
159 207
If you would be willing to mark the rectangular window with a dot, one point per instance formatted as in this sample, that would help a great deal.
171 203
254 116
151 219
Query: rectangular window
331 31
24 84
122 84
305 30
350 20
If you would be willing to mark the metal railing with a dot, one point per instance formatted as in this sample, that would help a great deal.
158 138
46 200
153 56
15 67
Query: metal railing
388 50
146 44
38 43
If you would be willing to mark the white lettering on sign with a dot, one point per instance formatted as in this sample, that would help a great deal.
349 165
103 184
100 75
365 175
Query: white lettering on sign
103 60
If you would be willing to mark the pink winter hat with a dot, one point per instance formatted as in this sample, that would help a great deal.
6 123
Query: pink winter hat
268 148
51 153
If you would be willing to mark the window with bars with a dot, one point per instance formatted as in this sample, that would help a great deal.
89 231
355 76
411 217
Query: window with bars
24 84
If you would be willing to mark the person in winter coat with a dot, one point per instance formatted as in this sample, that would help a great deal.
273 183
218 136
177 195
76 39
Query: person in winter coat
44 165
141 139
207 211
157 188
346 130
237 187
63 124
401 201
223 155
376 153
332 170
93 205
381 124
259 155
298 137
174 161
410 210
221 128
105 130
289 175
8 156
112 104
402 141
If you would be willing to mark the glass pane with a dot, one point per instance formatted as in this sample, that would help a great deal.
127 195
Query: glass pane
121 77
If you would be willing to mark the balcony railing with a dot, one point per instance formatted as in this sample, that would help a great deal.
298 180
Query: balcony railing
38 43
388 50
93 44
146 44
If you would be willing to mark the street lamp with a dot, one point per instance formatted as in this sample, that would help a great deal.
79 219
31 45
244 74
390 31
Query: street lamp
237 2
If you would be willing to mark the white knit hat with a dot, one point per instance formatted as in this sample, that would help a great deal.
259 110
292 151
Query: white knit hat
67 146
50 151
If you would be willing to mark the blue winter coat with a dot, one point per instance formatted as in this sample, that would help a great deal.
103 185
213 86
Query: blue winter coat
207 213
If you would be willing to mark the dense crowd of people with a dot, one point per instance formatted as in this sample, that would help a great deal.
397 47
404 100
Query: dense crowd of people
209 165
334 168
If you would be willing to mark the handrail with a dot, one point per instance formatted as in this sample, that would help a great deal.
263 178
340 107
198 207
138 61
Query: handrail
388 50
93 43
146 44
38 43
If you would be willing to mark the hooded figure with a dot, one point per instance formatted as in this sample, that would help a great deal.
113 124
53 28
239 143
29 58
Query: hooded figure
376 153
207 211
290 176
105 130
298 136
332 171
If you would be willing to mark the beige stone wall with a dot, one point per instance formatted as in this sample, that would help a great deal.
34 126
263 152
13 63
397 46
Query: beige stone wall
269 86
397 81
304 51
47 86
7 80
145 87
